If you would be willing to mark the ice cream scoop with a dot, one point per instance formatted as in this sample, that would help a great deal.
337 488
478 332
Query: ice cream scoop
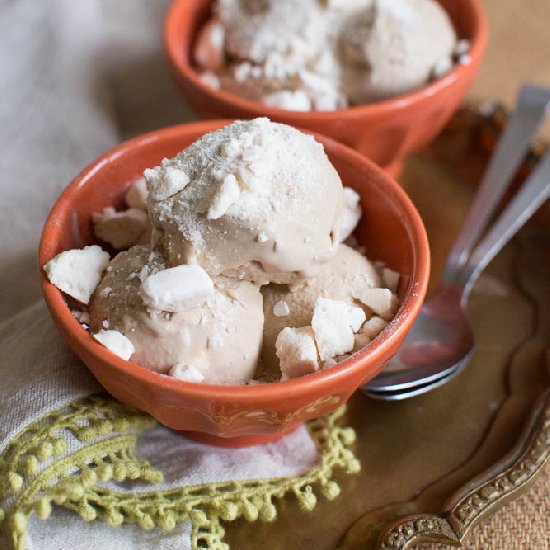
275 52
347 275
216 342
325 54
254 200
284 33
391 47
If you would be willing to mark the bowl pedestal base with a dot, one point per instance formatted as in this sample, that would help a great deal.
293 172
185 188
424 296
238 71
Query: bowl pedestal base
237 441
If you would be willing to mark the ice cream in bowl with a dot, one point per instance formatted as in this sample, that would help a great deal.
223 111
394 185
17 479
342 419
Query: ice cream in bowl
233 279
383 76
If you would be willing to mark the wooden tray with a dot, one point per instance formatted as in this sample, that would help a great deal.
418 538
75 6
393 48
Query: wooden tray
436 464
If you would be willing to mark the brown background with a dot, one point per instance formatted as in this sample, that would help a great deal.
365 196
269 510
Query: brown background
518 51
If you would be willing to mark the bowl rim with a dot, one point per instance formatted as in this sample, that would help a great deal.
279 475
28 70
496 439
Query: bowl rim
458 72
251 394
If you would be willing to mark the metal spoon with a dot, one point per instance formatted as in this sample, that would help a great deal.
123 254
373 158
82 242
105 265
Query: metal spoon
441 341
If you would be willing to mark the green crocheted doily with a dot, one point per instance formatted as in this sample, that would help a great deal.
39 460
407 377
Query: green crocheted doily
37 469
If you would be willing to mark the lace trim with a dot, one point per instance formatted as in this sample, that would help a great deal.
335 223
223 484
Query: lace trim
64 458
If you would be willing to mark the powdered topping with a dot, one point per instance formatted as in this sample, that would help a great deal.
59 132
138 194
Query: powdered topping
233 151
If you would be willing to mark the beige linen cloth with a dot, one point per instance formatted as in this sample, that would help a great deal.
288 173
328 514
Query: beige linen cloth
76 77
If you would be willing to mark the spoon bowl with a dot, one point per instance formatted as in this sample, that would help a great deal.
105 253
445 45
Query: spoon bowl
441 341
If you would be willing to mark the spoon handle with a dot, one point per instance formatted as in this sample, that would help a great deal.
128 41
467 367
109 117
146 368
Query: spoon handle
535 191
532 105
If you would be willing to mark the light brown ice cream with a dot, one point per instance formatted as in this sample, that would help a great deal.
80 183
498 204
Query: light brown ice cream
325 54
283 33
347 275
393 46
276 52
219 341
254 200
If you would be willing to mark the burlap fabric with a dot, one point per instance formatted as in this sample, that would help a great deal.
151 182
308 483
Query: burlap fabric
524 524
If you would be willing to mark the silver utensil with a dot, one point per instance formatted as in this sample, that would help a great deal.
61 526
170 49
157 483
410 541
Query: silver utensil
441 341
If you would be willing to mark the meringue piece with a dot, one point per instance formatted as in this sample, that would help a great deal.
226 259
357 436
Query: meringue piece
292 100
351 214
187 373
136 196
209 51
390 279
77 272
370 330
381 301
227 194
281 309
442 67
360 341
83 317
177 288
116 343
165 181
462 47
262 237
334 323
211 79
297 352
346 274
120 229
373 327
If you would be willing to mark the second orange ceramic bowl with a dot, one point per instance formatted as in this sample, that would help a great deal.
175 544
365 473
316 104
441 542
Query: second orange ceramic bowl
385 131
391 230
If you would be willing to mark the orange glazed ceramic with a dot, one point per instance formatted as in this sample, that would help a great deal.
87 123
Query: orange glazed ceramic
385 131
391 230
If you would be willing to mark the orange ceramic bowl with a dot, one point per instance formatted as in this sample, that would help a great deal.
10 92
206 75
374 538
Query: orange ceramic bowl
385 131
391 230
